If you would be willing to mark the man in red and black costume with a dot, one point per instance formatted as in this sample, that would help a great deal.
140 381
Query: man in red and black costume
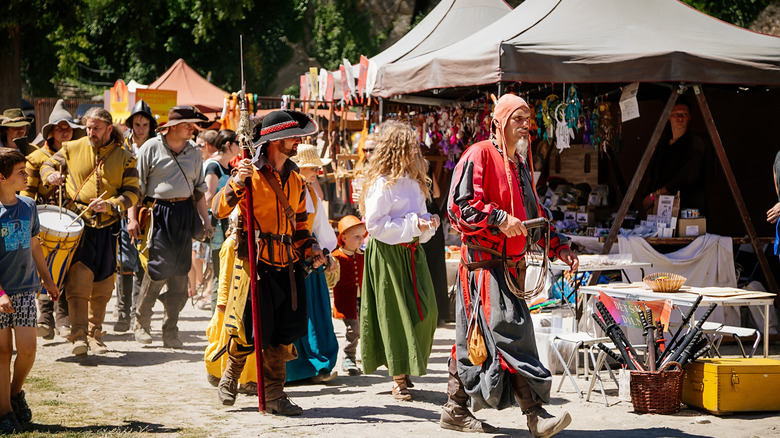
489 217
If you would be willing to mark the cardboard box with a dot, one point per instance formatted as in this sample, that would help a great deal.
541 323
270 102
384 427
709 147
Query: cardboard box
691 227
585 218
725 385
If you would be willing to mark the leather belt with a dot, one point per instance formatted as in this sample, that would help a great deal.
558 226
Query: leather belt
287 241
186 198
493 263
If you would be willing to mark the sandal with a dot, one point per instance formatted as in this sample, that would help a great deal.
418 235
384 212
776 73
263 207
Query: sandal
400 390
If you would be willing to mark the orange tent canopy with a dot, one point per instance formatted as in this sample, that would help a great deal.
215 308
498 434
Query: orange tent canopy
191 88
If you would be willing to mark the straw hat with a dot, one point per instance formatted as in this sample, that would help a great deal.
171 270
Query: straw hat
307 157
346 223
60 114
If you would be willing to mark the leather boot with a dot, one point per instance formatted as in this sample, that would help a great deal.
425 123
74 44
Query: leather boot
228 384
541 423
455 414
275 374
78 336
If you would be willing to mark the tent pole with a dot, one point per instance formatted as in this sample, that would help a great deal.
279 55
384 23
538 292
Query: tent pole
500 89
717 143
381 110
628 197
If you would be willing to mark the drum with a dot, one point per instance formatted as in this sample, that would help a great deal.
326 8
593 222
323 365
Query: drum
58 239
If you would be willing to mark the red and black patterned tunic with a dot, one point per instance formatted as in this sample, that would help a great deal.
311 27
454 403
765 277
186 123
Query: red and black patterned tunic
480 199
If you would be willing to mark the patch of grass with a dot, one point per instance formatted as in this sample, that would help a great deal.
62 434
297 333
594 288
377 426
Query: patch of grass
42 383
193 432
52 402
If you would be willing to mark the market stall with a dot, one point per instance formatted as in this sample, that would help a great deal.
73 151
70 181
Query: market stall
606 41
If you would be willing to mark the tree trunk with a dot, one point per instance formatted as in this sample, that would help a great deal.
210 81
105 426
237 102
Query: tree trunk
10 70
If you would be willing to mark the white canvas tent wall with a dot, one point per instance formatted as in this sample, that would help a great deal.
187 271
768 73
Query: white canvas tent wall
593 41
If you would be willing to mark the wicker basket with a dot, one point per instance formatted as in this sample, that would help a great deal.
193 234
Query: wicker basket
664 282
657 392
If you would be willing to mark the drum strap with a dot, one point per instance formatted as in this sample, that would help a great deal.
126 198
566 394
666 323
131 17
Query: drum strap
76 194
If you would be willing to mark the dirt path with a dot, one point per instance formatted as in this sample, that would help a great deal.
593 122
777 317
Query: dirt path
139 390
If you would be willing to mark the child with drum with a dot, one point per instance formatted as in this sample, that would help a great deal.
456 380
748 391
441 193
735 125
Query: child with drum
20 256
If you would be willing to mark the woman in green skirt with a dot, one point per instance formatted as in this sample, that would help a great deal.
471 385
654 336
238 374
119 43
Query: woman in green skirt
398 308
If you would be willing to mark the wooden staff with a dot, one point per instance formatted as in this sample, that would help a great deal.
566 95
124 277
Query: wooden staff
245 140
59 190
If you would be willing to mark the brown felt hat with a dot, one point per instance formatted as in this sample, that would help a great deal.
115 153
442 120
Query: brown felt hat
15 118
183 114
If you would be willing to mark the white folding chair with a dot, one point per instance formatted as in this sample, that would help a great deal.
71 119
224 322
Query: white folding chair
601 362
738 333
578 339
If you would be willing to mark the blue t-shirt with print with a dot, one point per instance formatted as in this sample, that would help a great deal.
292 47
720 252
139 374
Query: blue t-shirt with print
18 226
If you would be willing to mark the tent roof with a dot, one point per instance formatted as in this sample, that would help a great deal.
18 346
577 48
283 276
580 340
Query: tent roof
594 41
449 22
191 88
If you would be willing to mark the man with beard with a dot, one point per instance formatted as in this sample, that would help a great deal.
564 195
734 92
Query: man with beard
170 172
102 182
283 242
489 217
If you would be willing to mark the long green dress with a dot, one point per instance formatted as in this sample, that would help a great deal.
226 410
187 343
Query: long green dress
395 330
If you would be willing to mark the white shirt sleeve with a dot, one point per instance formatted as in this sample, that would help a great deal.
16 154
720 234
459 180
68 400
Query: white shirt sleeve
389 217
322 229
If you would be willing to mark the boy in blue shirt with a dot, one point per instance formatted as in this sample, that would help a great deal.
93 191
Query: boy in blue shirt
20 257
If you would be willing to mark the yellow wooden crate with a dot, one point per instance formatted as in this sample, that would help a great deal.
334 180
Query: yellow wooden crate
726 385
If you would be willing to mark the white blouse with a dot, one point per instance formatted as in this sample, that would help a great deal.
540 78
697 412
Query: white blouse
392 211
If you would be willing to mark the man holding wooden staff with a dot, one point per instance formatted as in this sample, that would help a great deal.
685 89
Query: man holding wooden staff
283 243
101 179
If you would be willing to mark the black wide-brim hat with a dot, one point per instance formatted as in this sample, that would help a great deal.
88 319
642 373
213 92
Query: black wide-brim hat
283 124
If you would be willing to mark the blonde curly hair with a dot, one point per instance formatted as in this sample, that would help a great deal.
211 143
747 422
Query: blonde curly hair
397 154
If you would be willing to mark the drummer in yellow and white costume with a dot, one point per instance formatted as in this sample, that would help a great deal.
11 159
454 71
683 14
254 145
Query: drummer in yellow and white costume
93 166
60 129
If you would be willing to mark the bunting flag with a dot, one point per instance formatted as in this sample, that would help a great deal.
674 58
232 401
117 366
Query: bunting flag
304 94
350 78
625 311
314 83
362 77
344 86
329 89
322 85
371 77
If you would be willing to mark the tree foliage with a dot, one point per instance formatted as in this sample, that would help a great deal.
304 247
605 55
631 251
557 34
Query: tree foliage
139 39
737 12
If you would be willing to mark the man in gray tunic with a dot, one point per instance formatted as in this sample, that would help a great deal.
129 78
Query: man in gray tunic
170 173
491 278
